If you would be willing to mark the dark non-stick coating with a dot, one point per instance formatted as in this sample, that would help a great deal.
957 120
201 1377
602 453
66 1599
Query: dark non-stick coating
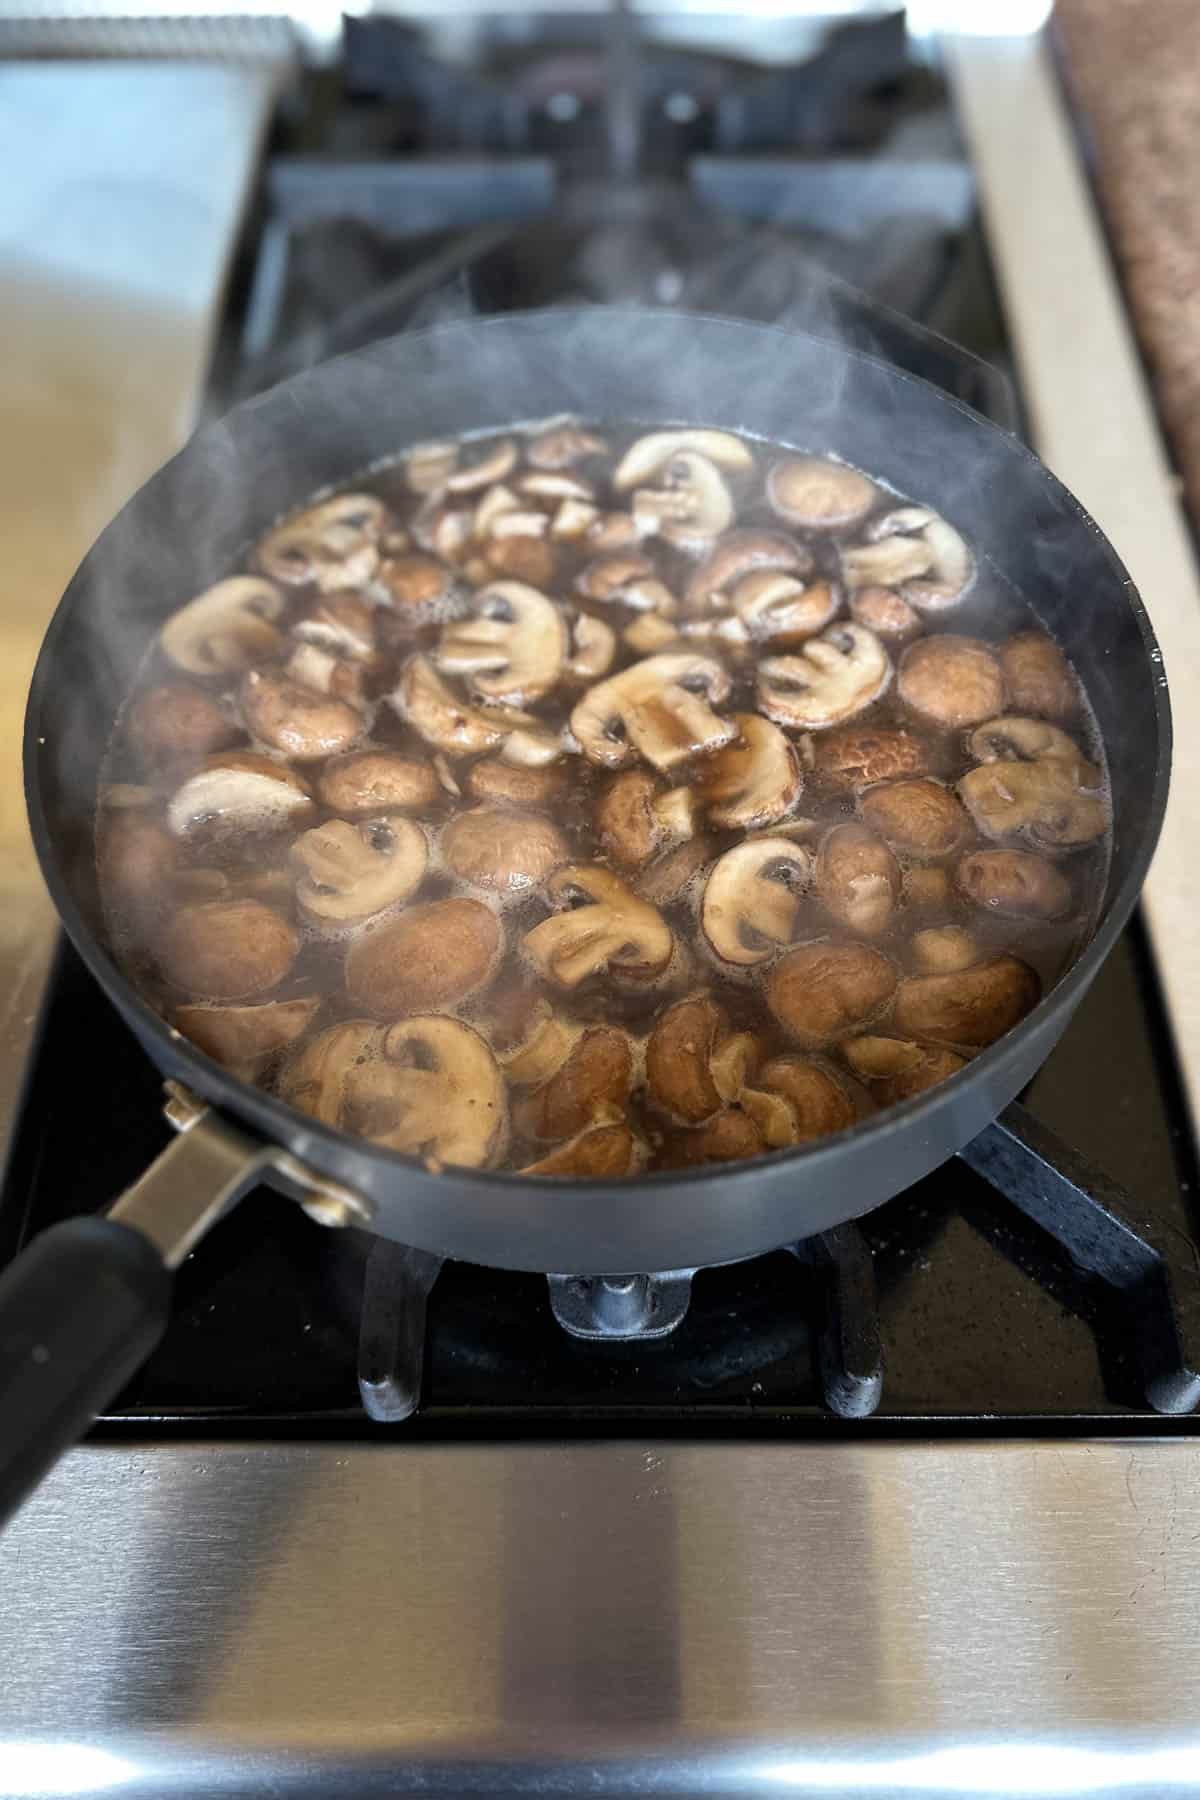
190 523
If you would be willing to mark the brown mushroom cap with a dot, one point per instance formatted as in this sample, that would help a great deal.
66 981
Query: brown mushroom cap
136 861
509 785
818 493
612 930
1038 675
857 879
227 949
433 955
823 991
952 681
941 949
331 545
177 719
606 1150
421 588
737 554
225 629
624 819
519 557
296 720
896 1068
927 887
753 781
1016 883
245 1038
970 1008
883 610
378 781
668 878
501 850
590 1088
857 756
693 1063
919 818
818 1100
730 1136
342 623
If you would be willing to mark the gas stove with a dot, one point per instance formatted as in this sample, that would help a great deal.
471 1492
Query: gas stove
719 1438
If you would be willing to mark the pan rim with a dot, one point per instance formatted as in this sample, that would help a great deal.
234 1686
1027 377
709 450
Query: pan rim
275 1119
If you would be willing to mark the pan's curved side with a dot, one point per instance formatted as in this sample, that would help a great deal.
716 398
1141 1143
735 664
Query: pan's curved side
187 526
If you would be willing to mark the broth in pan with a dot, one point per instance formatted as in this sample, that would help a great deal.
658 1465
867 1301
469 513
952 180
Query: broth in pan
587 799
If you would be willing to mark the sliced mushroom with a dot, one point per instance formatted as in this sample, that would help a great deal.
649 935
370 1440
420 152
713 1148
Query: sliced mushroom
494 462
590 1088
669 877
817 1101
752 898
604 927
421 589
1015 883
332 545
177 719
502 851
435 1092
919 818
942 949
314 1080
511 785
927 887
970 1008
522 558
736 555
445 527
1014 739
897 1068
440 715
433 955
496 504
572 521
823 991
694 1063
296 719
691 506
831 679
819 493
227 949
527 740
591 646
649 455
427 467
952 681
346 874
730 1136
659 707
327 674
625 578
512 646
239 792
550 487
226 628
860 755
781 609
561 446
247 1038
1043 801
857 879
606 1150
137 860
377 781
342 623
530 1040
634 819
884 611
649 634
1038 676
915 550
755 780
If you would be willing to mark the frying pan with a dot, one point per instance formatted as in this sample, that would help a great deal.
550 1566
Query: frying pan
88 1300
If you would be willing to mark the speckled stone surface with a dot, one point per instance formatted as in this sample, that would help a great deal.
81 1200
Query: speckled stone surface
1132 69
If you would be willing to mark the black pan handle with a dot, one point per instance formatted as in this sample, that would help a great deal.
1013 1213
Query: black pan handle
87 1302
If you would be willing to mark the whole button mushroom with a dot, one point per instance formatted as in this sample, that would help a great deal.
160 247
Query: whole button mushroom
433 955
694 1063
347 874
919 818
502 851
951 681
377 781
831 679
435 1092
603 926
819 494
753 781
752 899
296 720
857 879
896 1069
227 949
1015 883
590 1088
225 629
857 756
970 1008
1038 675
178 719
823 991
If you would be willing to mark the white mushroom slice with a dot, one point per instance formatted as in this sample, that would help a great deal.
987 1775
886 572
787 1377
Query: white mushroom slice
325 673
643 460
818 493
648 634
1015 739
753 782
527 742
512 646
443 529
436 1092
752 899
592 646
778 608
226 628
916 551
611 930
314 1080
626 578
561 443
658 707
428 467
831 679
343 623
572 520
737 554
496 464
333 545
441 716
520 523
542 1048
348 873
498 501
239 792
552 485
690 507
245 1038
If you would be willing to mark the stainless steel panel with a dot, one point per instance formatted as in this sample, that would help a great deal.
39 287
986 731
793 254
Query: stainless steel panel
987 1618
